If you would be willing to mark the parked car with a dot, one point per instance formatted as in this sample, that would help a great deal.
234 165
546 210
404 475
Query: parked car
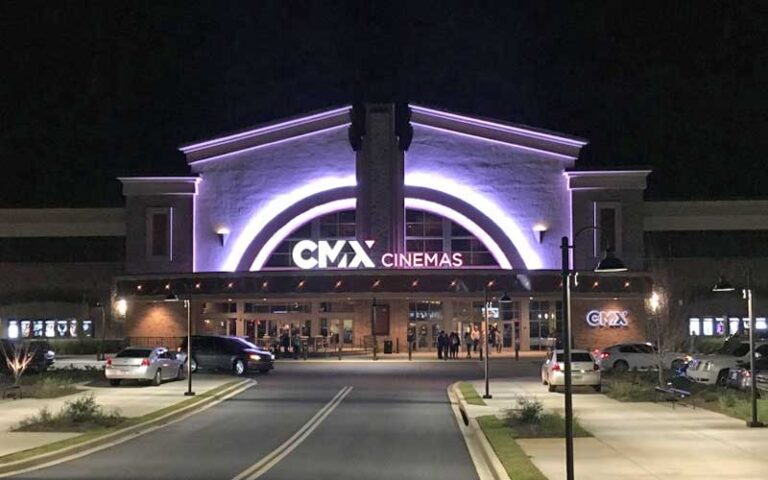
43 357
228 353
739 377
144 364
640 356
585 370
762 380
713 369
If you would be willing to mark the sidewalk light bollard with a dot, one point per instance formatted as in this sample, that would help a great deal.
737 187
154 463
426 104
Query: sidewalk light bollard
410 350
397 345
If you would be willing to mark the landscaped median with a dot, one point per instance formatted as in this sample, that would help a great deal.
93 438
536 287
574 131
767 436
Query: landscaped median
527 420
492 439
640 387
122 429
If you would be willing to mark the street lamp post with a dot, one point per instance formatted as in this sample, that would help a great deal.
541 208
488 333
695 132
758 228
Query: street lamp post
485 346
188 305
100 352
608 264
373 326
724 286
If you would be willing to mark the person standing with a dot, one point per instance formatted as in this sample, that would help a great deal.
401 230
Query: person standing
446 345
440 343
475 338
468 342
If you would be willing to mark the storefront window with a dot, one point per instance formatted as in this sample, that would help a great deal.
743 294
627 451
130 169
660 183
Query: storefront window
720 326
707 327
734 325
425 311
694 326
541 321
760 323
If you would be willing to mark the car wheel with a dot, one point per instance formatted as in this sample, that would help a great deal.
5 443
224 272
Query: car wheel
193 365
552 388
114 382
157 380
239 367
621 366
598 388
722 378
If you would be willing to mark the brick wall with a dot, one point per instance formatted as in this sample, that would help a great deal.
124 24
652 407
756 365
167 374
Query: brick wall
585 336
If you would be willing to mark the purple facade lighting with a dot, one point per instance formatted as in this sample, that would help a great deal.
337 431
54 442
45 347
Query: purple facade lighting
296 222
466 223
450 187
272 209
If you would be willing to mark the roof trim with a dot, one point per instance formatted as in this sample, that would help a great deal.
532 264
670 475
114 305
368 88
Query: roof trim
159 185
266 134
607 179
564 146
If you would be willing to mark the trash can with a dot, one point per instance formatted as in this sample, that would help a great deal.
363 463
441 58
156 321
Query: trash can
387 346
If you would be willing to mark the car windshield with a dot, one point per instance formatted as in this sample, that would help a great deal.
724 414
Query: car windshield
581 357
135 353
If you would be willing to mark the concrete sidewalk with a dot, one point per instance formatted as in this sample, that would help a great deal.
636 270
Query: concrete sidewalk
131 399
637 440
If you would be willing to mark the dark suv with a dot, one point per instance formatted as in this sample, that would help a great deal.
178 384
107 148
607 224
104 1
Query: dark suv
228 353
42 359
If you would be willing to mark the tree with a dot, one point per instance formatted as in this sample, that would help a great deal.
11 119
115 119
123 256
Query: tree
18 356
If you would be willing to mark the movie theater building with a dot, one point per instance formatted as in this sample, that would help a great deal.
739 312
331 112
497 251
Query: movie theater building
411 215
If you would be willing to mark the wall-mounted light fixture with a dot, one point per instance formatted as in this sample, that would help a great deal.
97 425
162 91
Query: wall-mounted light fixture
121 305
222 233
539 230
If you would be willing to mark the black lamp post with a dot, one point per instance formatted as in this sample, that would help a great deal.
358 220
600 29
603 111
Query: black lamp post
723 285
188 305
609 264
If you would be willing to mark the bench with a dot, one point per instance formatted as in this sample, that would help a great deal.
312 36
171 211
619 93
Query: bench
674 395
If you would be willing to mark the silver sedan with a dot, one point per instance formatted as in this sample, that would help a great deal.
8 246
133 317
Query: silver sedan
139 363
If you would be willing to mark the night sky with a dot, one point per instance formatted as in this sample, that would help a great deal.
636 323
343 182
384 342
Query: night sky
93 90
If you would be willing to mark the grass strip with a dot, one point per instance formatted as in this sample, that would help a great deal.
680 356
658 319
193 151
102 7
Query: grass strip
470 394
100 432
517 464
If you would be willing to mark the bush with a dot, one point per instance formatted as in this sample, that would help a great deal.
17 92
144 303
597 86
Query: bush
529 410
50 387
76 416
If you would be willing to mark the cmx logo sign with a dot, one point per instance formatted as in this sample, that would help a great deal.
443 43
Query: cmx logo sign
608 318
308 254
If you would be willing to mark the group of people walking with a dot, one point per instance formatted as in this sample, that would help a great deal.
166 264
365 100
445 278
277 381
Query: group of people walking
449 344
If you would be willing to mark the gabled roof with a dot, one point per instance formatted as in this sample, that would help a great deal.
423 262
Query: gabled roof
562 146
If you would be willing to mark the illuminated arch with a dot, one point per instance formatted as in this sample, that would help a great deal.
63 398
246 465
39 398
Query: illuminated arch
499 244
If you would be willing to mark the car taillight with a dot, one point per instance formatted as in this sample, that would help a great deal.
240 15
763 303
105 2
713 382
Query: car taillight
109 361
556 367
604 355
144 362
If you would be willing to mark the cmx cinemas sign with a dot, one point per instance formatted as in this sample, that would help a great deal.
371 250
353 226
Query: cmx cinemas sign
352 254
608 318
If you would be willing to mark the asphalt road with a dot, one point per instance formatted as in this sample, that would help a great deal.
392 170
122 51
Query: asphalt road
395 422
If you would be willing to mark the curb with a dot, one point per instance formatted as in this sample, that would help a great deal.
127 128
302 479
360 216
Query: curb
487 464
96 444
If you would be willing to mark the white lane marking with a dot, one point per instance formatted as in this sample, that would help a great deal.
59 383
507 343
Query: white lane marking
228 393
275 456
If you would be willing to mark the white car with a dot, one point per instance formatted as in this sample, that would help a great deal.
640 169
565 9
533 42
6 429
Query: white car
713 369
139 363
637 356
584 370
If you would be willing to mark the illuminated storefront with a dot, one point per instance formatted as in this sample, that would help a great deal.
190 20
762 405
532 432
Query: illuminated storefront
312 224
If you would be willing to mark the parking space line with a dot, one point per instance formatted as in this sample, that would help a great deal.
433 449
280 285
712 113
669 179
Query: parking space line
275 456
